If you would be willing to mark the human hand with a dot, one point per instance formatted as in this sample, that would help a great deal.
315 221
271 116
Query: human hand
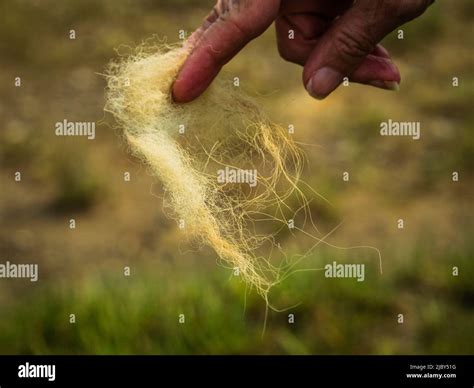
332 39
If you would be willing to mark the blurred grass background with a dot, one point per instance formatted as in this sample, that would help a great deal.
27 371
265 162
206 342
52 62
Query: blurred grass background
122 224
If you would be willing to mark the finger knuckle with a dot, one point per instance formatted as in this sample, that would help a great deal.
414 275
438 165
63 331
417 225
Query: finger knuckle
352 44
228 11
251 17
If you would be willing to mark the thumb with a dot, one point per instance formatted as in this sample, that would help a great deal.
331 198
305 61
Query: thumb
226 30
352 38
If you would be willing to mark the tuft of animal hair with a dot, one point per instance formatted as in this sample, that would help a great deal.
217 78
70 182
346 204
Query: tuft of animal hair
223 127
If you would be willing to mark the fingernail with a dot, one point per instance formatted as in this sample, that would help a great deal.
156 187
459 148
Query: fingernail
323 82
387 85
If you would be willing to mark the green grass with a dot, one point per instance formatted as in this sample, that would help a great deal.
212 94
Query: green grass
139 314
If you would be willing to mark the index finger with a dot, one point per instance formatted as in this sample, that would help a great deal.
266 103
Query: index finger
226 30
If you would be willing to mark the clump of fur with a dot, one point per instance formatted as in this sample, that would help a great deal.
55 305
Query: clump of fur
223 127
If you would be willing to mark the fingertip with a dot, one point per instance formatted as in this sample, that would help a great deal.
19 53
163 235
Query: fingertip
323 82
197 73
182 93
186 88
177 94
386 85
375 68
